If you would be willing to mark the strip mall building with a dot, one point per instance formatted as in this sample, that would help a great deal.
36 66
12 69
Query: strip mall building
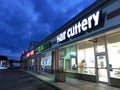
87 47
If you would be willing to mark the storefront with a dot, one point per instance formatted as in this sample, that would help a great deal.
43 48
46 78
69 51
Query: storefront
30 60
97 58
46 61
88 46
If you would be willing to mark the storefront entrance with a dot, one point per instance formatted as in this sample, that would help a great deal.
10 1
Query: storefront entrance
102 68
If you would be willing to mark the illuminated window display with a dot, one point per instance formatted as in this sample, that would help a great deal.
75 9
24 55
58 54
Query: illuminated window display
68 60
4 64
86 58
46 59
114 54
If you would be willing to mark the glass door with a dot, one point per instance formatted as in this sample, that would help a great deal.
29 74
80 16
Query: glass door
102 68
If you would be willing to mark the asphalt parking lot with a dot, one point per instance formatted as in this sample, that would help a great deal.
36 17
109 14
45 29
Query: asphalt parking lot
18 80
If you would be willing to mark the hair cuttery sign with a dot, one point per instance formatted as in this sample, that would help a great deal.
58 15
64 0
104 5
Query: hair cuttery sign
81 26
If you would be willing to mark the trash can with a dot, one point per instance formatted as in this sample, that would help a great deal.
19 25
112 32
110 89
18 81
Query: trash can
60 76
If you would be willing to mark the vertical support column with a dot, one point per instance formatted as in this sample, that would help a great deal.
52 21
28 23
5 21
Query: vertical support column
26 64
96 66
108 65
53 61
35 63
57 59
39 61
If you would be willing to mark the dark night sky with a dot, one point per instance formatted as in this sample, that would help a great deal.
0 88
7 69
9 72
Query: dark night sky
22 21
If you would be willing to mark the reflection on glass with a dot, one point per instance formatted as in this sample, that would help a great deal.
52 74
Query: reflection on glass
115 72
46 61
114 58
86 58
114 54
102 68
68 60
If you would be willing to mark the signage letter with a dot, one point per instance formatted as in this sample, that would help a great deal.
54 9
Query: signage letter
90 22
84 24
68 32
96 18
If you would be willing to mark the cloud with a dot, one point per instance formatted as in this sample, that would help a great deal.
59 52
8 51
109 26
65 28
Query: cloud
10 53
22 21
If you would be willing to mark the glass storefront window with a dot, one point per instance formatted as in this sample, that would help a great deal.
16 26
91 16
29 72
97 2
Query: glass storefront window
86 58
62 53
4 64
68 60
46 60
114 54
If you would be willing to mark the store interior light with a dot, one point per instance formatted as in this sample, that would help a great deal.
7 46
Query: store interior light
67 56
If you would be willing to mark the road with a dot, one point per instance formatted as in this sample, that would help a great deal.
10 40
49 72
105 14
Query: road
18 80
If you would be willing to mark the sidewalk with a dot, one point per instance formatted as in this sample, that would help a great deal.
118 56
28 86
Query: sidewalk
72 83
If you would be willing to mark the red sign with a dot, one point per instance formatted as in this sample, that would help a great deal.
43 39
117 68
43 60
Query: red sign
30 53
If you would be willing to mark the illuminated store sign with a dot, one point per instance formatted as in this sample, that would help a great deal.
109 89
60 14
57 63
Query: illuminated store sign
30 53
81 26
44 47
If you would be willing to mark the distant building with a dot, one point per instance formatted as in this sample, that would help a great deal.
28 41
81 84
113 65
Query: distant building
14 63
4 63
23 61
